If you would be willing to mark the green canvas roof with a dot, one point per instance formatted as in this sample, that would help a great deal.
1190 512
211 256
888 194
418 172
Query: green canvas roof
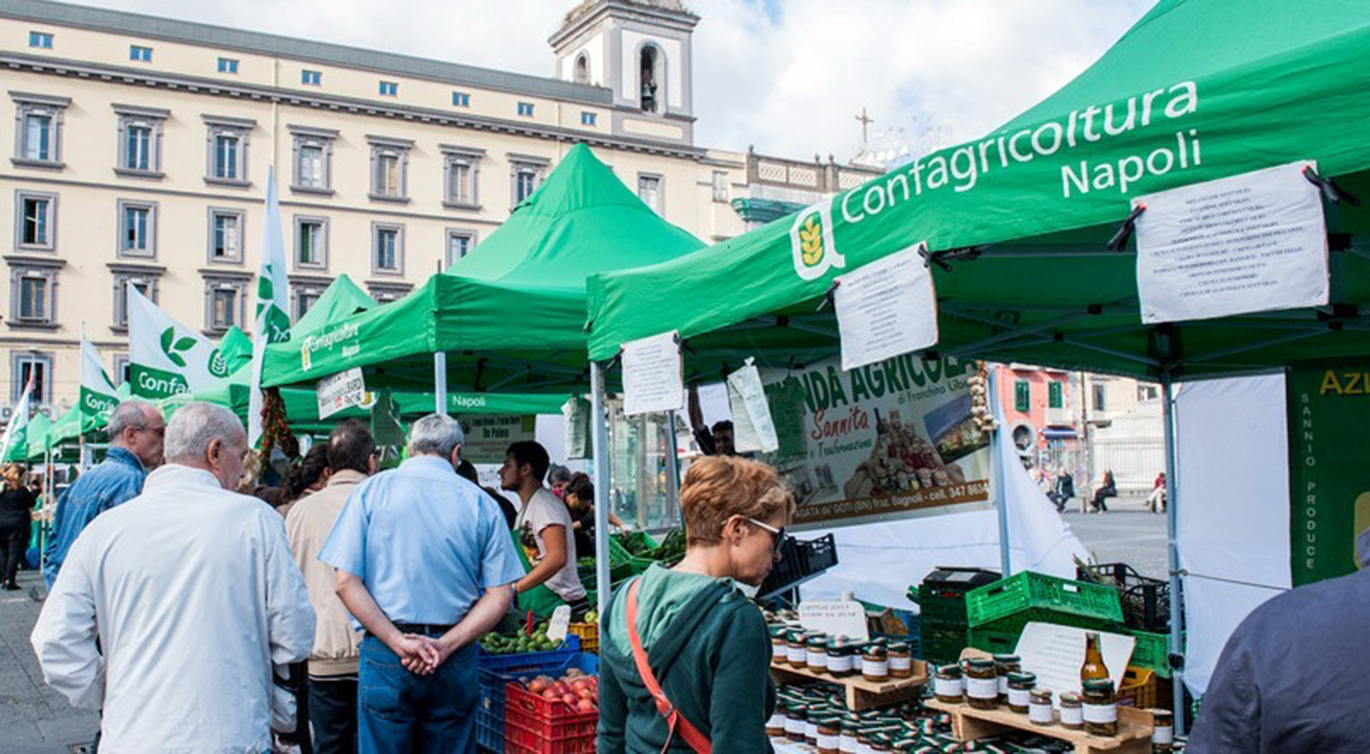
236 348
511 314
1196 90
342 298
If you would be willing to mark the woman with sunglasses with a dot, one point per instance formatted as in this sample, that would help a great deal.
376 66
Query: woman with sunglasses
685 657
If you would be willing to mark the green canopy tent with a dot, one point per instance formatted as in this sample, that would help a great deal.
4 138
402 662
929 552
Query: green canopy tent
1020 221
236 348
342 298
35 445
69 428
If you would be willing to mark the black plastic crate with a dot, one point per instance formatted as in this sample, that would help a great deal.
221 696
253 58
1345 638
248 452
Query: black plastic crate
941 597
942 646
1146 601
798 561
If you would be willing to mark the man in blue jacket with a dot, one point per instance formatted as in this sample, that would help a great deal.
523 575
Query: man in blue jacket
136 430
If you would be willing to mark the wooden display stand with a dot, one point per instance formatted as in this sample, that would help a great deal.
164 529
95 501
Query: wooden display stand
861 694
969 724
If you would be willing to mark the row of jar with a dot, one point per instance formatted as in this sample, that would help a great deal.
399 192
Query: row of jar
876 661
833 730
987 683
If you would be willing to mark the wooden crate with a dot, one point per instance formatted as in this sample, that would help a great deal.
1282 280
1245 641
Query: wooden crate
861 694
970 724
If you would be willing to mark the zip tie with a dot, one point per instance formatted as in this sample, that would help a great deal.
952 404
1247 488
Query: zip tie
1120 237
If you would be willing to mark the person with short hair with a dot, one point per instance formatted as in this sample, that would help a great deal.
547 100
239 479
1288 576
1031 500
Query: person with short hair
350 455
172 608
544 525
136 430
16 524
423 563
305 476
695 632
558 477
579 497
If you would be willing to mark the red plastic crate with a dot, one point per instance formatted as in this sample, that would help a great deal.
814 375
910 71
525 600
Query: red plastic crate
539 726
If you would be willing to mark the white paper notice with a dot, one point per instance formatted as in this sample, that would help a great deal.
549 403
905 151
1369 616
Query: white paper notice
339 391
835 618
576 413
753 429
652 375
1250 243
886 308
560 623
1055 653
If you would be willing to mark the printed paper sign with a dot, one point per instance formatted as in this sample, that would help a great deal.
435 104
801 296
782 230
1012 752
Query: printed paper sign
835 618
576 412
560 623
652 379
488 436
753 429
339 391
1055 653
886 308
1250 243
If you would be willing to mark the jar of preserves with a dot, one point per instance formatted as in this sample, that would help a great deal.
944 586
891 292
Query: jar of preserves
841 658
851 727
816 654
875 663
778 644
829 735
900 660
880 743
1003 665
1020 686
1100 708
982 685
949 686
775 726
811 725
1039 707
1163 734
795 717
1072 712
796 651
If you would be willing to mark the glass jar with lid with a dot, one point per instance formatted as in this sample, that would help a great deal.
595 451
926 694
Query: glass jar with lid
816 654
875 664
1100 708
841 655
1020 686
949 685
1039 707
1072 712
1163 734
982 685
778 644
796 650
796 715
1003 665
900 660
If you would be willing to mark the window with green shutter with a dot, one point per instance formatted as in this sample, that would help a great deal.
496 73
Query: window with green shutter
1054 397
1022 396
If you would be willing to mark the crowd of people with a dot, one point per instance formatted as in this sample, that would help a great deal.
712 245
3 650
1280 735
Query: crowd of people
178 602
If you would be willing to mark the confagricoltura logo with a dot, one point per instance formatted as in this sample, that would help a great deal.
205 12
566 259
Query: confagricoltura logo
811 242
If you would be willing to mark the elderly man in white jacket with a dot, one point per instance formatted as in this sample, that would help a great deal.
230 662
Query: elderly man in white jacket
171 609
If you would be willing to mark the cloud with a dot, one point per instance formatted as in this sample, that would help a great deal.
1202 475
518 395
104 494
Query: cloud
788 76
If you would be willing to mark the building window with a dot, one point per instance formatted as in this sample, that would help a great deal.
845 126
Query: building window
33 364
588 118
140 141
303 297
459 244
35 221
1022 396
227 150
40 39
38 124
226 235
311 243
526 109
228 65
384 294
461 99
1148 392
650 69
390 89
387 249
1055 396
526 175
720 186
140 53
461 170
389 168
1100 391
649 190
313 160
33 294
581 71
311 78
143 281
224 302
121 369
137 229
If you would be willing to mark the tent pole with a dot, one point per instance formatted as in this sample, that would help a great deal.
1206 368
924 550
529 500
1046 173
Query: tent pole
997 470
600 454
440 381
672 463
1172 520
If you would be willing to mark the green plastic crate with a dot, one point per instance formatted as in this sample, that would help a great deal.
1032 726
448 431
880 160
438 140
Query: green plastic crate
994 642
637 537
941 646
1152 652
1042 594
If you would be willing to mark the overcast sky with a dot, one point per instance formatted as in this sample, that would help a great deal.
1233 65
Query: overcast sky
788 76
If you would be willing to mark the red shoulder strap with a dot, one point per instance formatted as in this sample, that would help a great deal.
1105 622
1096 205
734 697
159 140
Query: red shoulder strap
674 720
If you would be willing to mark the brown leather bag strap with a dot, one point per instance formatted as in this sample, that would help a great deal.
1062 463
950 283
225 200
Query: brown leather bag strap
674 720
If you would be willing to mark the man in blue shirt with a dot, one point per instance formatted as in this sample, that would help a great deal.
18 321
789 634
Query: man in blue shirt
424 563
136 429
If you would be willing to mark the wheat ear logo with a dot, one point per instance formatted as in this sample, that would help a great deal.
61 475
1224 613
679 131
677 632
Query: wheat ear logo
172 347
811 242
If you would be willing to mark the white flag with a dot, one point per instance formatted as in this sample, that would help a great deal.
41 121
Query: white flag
165 356
19 419
98 394
273 303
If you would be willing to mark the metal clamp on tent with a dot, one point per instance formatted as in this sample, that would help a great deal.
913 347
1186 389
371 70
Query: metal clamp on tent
1334 193
945 257
1120 237
828 296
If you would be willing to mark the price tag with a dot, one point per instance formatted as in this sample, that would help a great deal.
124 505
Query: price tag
835 618
560 623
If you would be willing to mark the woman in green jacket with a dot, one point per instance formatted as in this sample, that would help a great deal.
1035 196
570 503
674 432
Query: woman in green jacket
703 640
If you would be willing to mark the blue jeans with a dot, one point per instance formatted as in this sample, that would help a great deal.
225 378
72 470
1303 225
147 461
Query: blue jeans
398 711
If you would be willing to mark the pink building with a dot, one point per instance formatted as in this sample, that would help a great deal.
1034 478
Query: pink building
1041 415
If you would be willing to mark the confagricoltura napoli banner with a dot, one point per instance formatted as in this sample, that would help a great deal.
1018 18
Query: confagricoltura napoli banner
166 357
895 439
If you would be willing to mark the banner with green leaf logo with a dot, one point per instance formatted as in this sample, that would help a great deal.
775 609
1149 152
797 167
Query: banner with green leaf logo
166 357
98 394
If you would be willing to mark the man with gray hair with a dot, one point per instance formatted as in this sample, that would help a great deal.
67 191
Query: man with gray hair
424 562
135 433
172 608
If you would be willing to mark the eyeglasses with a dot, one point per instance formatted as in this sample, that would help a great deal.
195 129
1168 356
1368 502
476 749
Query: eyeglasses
777 536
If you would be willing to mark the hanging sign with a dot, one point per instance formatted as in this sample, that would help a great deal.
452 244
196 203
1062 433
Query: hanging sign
576 413
753 429
1250 243
489 436
652 380
1055 653
339 391
886 308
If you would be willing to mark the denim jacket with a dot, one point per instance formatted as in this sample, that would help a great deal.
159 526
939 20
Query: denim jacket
116 480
